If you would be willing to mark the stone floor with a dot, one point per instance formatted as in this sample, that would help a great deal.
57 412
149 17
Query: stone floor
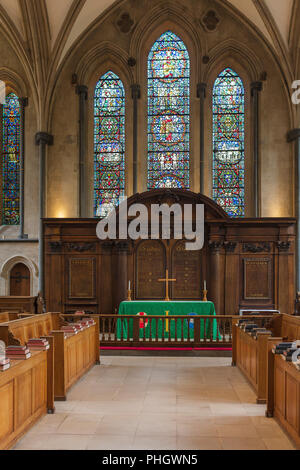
165 403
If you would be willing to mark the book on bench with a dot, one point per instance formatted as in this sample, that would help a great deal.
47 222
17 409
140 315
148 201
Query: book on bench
18 352
4 364
38 344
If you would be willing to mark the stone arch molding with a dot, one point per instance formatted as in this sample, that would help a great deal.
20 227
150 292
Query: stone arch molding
8 266
14 81
173 14
232 49
103 53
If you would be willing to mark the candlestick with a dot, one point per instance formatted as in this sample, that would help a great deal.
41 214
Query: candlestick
129 299
205 292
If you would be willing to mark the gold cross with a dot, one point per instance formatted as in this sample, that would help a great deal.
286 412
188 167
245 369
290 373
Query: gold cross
167 280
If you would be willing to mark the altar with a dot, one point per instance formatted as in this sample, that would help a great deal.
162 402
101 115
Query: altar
167 328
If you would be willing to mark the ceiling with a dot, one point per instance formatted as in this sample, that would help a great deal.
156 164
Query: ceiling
89 10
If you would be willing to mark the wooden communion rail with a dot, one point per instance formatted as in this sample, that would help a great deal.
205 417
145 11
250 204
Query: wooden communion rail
161 331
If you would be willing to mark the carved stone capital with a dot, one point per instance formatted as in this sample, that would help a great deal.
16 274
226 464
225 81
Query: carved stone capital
135 91
201 90
255 87
43 138
292 135
82 90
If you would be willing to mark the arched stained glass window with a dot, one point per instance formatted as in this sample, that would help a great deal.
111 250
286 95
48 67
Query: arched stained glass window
168 113
11 122
109 143
229 143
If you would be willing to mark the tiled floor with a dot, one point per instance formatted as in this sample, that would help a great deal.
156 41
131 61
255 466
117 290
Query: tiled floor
165 403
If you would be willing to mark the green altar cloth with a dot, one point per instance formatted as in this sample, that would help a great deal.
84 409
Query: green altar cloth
166 328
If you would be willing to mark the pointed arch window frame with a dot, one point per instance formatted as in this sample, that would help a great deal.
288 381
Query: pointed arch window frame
228 140
168 124
109 151
11 131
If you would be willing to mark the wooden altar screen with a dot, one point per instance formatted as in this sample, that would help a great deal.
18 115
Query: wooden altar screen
246 262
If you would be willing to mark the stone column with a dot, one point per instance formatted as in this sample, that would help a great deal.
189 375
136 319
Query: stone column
82 92
23 105
201 93
294 136
42 139
136 94
217 276
256 87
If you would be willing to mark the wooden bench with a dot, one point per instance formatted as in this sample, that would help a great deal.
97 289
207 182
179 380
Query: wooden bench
284 397
254 356
73 356
23 397
8 316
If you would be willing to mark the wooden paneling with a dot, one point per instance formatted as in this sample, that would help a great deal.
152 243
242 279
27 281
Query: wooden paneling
23 397
18 304
150 266
81 278
186 268
266 280
284 402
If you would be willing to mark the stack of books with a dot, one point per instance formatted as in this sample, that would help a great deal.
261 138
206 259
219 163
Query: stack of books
4 364
248 327
38 344
69 330
260 331
18 353
78 326
281 347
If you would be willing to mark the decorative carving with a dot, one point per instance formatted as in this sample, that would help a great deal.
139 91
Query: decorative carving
283 246
81 247
215 245
122 247
12 341
131 62
210 20
125 23
55 247
169 197
40 304
263 247
230 246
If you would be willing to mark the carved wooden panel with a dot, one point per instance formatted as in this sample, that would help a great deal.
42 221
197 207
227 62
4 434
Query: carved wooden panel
81 278
186 268
291 401
150 266
6 410
257 279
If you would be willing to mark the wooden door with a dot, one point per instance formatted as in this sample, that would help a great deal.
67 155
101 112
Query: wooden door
20 280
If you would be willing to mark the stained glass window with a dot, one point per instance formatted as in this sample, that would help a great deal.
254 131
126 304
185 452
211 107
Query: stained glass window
229 143
109 144
11 120
168 113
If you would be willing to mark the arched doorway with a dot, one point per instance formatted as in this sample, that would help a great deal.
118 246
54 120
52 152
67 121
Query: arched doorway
19 281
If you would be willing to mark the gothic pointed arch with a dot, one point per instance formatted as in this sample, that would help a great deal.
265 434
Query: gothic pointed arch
168 113
109 143
229 142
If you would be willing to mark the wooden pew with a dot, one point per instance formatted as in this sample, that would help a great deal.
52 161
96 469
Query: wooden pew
254 357
251 355
284 397
73 356
23 397
8 316
18 304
